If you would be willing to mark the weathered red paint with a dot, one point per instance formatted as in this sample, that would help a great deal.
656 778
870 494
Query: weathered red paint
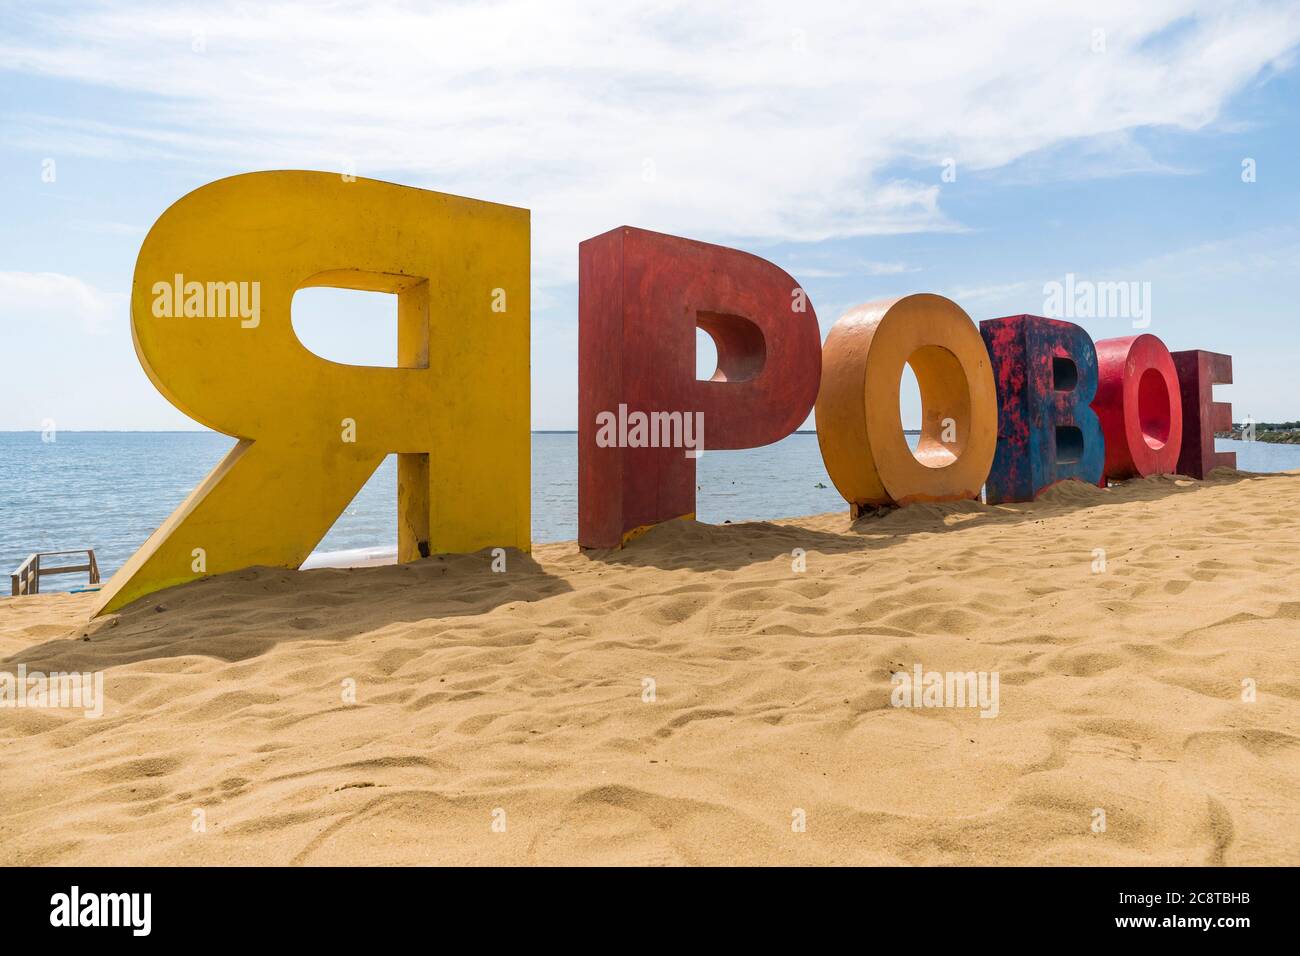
1046 375
641 296
1198 373
1139 406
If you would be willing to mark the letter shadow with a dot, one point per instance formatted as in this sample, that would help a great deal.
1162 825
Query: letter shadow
242 614
693 545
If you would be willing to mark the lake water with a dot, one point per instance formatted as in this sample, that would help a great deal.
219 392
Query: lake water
110 490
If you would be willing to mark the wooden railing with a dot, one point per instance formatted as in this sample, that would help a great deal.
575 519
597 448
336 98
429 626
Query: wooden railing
27 579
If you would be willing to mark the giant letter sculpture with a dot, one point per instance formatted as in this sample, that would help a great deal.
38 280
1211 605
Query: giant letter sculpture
1139 406
1198 373
1046 373
641 296
858 423
312 431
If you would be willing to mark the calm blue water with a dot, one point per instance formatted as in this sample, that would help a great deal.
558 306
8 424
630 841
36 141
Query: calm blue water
110 490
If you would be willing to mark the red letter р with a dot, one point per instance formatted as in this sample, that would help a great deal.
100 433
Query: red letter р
641 409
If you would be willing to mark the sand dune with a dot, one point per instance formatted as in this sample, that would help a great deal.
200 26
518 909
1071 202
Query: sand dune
518 697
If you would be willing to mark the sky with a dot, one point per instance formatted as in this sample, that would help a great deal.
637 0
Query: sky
980 151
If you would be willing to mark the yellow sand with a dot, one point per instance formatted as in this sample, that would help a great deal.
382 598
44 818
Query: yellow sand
518 697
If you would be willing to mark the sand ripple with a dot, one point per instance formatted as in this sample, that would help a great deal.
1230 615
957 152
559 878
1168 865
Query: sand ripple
486 699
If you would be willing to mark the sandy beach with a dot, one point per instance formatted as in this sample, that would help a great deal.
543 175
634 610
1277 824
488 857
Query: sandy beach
510 717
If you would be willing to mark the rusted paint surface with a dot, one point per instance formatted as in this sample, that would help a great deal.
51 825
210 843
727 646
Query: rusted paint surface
1198 373
1046 375
1139 407
641 297
858 424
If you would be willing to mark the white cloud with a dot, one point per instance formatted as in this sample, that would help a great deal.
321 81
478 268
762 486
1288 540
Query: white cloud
832 268
1193 271
1002 292
106 227
45 297
773 122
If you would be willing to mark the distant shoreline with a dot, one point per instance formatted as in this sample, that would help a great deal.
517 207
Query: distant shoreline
1267 433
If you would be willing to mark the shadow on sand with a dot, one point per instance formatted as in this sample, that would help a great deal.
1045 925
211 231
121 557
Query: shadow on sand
693 545
242 614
